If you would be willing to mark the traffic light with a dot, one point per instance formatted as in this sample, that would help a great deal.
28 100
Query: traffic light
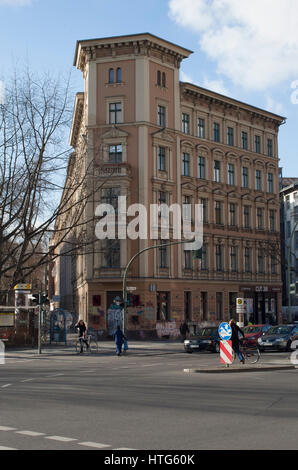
39 299
44 298
34 298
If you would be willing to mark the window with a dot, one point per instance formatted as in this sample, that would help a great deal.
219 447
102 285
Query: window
162 251
110 253
296 214
270 182
163 306
269 147
257 144
272 220
244 177
247 260
273 264
163 80
161 116
110 196
111 76
185 165
231 174
233 259
115 153
246 214
201 128
244 140
158 77
289 229
162 158
232 214
216 132
187 209
260 262
260 218
258 180
219 257
162 197
119 75
187 259
204 262
201 168
230 136
115 113
204 305
185 123
204 203
218 212
216 169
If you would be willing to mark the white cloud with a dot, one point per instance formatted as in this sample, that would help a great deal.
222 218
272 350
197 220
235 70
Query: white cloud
17 3
255 43
215 85
2 92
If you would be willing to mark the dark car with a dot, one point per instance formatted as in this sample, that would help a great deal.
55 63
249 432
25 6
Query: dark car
278 338
253 333
206 339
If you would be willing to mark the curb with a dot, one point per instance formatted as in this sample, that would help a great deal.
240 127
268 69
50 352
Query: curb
234 370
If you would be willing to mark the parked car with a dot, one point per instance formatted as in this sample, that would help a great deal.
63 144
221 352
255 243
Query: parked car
278 338
206 339
253 333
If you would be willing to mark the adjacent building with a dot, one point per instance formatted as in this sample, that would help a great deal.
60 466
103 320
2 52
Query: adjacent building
289 235
154 139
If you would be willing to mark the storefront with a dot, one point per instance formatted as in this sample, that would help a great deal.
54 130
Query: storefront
262 303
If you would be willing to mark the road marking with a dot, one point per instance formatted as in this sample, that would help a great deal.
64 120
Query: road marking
54 375
7 448
5 386
6 428
27 380
31 433
60 438
93 444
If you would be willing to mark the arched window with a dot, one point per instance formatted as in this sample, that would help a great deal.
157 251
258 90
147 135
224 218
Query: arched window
119 75
111 76
158 78
163 79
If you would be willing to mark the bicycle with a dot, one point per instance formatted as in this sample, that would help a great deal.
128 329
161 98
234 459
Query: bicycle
92 345
250 353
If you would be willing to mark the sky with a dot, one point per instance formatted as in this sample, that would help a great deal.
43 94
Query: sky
245 50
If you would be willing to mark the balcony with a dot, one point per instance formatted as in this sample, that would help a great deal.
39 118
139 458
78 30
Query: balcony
113 169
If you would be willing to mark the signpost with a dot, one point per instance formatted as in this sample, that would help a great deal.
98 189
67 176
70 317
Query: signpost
226 350
240 310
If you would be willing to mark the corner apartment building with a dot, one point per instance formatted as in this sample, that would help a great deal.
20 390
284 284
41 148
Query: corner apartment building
156 140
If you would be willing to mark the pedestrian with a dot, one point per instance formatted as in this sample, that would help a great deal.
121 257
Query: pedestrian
184 330
118 337
82 334
235 339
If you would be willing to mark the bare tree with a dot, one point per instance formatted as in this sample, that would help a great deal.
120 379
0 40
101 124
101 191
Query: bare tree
35 162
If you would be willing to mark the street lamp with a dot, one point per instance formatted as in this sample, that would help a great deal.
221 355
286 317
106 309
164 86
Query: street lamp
124 289
289 272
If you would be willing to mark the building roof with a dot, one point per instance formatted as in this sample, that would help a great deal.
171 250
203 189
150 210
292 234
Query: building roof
167 45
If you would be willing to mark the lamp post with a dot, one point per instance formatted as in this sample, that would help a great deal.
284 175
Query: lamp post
289 272
124 289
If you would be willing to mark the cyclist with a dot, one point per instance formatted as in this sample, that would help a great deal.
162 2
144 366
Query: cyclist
82 334
235 339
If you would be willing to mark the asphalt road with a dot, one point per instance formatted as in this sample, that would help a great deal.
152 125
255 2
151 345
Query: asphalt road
143 401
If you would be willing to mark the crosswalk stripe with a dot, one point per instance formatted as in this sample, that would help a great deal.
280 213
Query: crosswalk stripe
93 444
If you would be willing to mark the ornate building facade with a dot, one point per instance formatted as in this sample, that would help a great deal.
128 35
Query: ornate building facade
154 139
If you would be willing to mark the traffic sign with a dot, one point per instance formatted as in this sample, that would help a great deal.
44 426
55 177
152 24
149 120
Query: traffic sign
240 305
226 352
225 331
131 288
22 287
